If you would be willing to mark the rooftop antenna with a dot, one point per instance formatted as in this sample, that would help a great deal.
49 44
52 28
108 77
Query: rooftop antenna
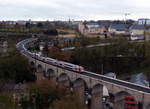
126 14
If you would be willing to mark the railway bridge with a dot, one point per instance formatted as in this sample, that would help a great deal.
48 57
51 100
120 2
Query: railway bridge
86 81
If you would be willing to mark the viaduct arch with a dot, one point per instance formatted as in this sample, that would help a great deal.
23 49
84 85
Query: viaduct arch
81 83
64 80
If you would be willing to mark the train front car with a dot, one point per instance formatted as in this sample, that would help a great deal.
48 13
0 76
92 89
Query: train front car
72 67
79 69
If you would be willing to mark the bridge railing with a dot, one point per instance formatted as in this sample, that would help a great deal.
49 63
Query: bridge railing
20 46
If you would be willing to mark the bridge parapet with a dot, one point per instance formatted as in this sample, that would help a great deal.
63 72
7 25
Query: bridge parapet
84 81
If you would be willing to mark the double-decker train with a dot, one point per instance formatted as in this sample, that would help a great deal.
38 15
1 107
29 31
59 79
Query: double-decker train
52 61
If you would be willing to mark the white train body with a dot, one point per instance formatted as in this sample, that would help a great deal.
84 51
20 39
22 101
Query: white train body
38 56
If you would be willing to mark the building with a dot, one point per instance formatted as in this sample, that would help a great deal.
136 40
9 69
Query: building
94 28
137 32
11 22
91 29
76 22
144 21
118 29
21 22
137 37
137 29
147 34
81 28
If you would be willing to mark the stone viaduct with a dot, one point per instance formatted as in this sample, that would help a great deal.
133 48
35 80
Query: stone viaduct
91 82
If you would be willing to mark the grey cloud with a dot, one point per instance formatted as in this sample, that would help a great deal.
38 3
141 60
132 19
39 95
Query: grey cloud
75 9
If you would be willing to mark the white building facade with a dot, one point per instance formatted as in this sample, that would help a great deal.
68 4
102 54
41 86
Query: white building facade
144 21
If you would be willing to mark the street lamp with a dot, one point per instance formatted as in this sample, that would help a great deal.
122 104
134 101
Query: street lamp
126 14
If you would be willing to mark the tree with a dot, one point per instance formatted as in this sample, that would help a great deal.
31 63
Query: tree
45 49
42 94
39 25
6 101
15 67
52 32
147 57
121 57
69 102
28 25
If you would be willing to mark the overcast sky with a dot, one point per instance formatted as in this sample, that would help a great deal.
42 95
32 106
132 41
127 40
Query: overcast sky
73 9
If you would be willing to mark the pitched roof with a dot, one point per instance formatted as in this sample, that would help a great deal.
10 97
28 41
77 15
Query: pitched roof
138 27
144 19
118 26
94 25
